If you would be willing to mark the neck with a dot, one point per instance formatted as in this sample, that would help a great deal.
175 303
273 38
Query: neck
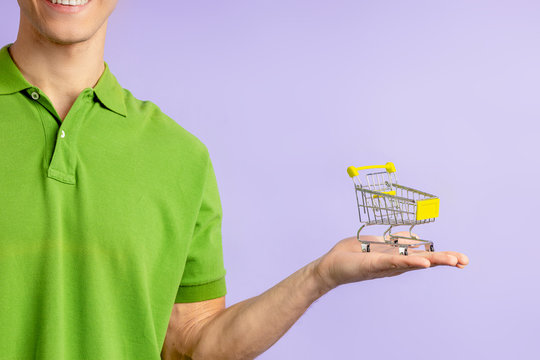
61 71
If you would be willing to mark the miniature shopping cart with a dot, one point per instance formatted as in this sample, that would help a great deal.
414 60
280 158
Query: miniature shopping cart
381 201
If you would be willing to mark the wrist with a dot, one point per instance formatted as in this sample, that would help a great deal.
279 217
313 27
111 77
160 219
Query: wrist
321 284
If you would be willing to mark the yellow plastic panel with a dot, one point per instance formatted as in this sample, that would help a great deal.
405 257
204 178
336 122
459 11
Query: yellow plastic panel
427 209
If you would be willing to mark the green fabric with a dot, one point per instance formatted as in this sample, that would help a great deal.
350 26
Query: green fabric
106 220
207 291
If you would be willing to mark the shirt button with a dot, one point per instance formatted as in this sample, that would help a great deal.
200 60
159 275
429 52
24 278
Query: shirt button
63 134
35 95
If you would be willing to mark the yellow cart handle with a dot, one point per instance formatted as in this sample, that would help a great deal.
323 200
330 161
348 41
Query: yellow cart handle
353 171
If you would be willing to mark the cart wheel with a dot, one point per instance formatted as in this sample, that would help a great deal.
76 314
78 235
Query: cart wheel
368 248
403 251
365 247
431 248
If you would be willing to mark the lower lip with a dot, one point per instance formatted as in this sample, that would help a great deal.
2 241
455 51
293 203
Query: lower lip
67 9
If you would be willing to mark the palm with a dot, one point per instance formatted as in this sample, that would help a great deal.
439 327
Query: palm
346 263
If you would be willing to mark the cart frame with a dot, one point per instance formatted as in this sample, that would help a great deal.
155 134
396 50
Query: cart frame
384 202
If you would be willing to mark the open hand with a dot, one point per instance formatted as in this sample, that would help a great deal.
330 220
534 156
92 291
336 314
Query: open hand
346 263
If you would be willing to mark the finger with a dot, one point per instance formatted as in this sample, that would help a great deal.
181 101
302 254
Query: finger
370 238
400 261
462 258
410 242
439 258
392 265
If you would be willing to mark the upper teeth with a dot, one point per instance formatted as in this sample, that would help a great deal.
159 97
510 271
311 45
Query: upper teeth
69 2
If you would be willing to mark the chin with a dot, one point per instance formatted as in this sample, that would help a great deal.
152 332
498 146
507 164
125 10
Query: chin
64 38
66 33
64 28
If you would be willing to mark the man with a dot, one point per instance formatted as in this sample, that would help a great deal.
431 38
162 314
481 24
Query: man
110 241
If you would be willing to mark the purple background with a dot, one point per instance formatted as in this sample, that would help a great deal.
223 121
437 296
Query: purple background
288 94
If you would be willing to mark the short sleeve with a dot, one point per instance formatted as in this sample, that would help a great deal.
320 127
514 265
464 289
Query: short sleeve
204 272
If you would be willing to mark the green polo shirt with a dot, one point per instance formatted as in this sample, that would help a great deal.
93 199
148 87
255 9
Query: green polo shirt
107 218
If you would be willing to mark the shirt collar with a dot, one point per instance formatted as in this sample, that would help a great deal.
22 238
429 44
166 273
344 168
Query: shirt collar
110 93
108 90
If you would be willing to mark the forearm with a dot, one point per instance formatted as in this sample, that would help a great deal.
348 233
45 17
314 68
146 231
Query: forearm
248 328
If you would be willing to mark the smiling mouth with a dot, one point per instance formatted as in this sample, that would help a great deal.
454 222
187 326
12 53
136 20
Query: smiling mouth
69 2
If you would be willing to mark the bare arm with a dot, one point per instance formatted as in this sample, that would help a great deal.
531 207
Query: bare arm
250 327
241 331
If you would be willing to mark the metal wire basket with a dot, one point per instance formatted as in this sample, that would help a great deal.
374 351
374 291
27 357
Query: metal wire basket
382 201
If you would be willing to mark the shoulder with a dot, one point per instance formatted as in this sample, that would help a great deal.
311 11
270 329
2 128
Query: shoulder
156 126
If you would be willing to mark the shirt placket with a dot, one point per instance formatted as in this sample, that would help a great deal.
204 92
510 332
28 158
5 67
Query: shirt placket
61 136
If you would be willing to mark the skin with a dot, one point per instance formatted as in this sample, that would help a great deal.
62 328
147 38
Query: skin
48 39
206 329
196 331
